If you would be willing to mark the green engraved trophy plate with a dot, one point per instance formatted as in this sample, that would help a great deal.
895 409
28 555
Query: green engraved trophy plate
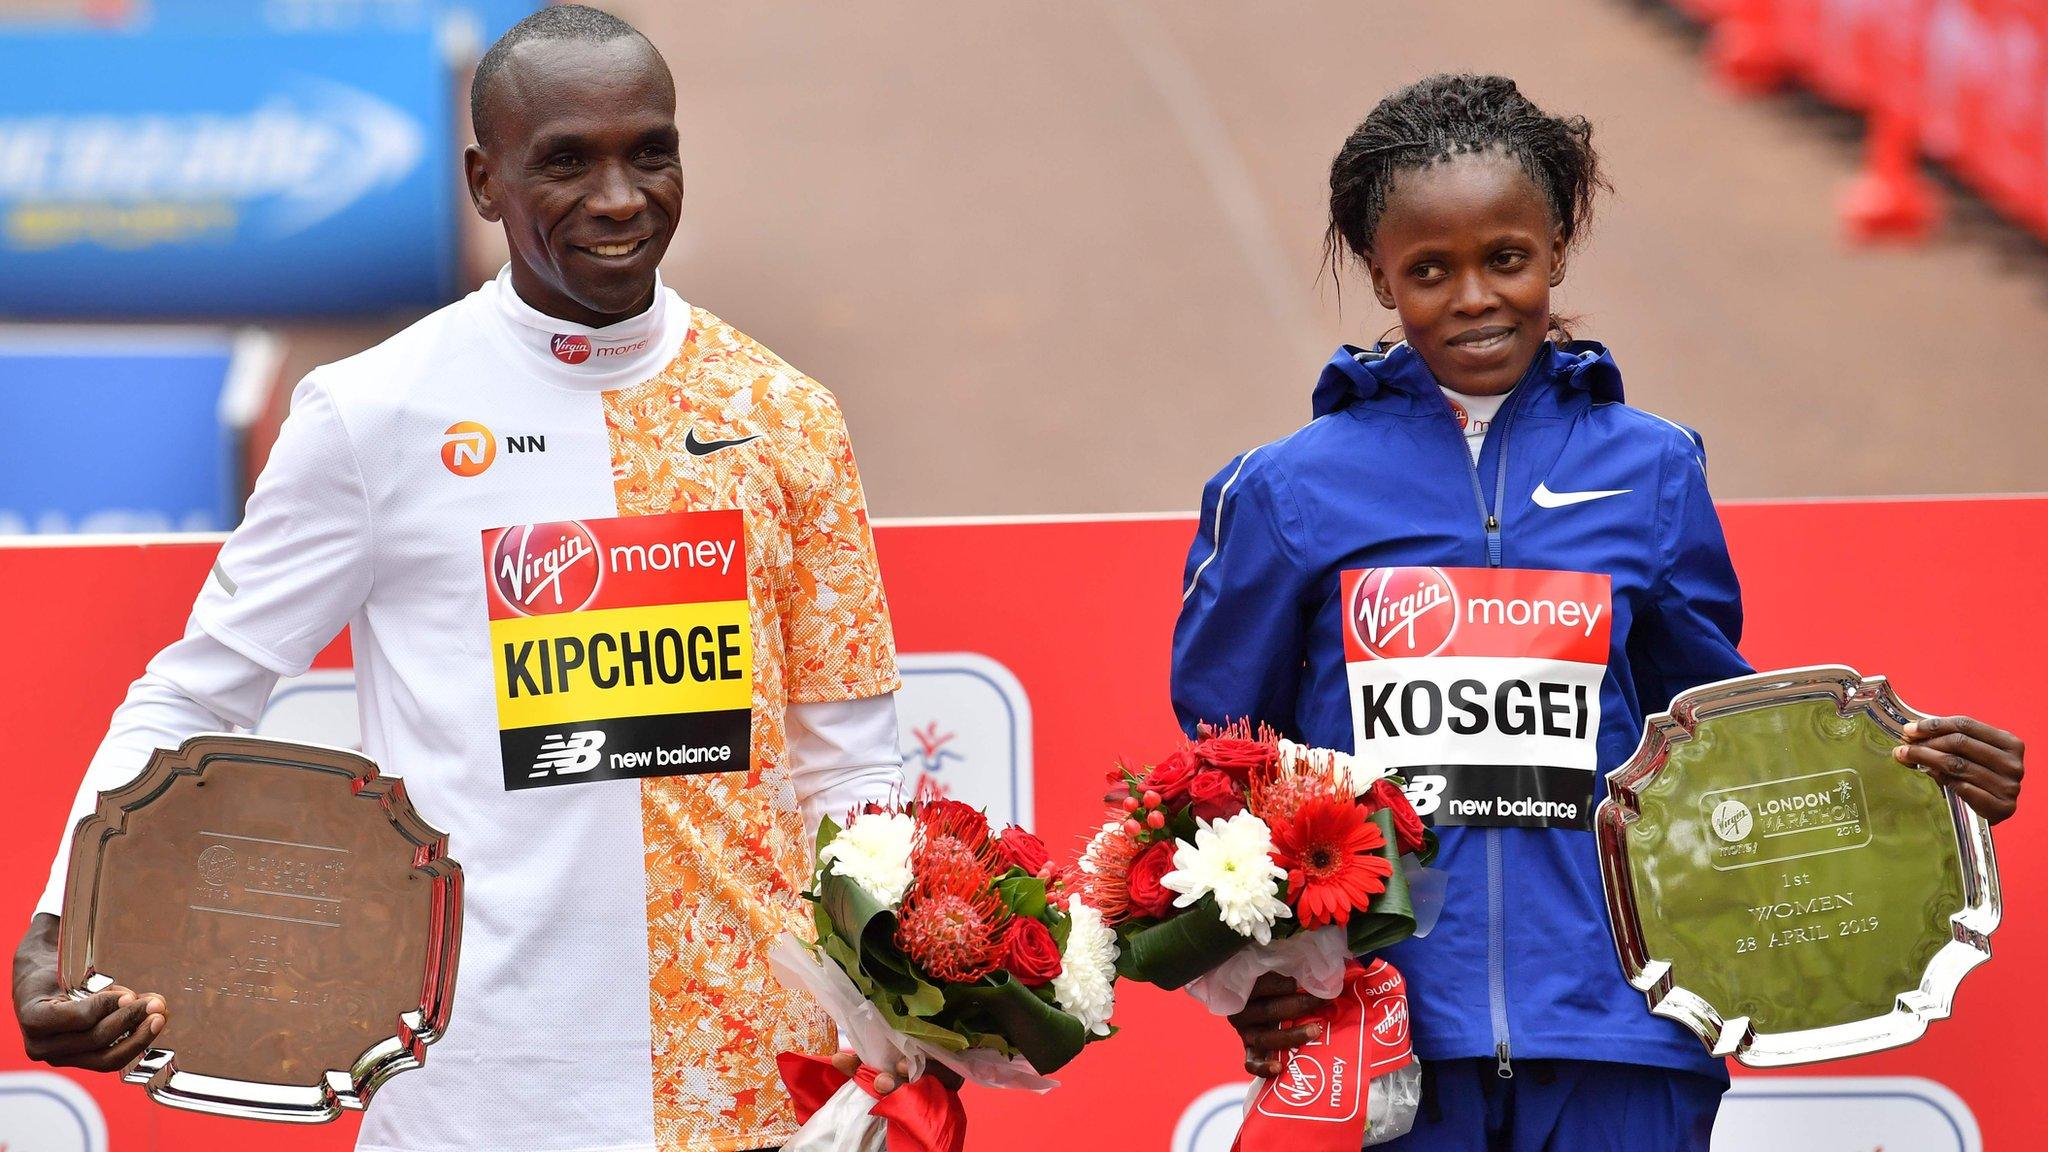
1782 886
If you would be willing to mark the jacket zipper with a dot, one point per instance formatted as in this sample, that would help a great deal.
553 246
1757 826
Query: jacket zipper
1496 887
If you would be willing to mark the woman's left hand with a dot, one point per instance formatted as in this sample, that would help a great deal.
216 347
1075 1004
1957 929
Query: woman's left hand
1981 764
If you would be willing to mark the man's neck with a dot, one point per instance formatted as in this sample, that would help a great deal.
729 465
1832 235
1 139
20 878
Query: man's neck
540 298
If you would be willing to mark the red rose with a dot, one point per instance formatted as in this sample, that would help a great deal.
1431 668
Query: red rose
1407 825
1215 795
1029 953
1016 848
955 819
1171 776
1240 757
1150 898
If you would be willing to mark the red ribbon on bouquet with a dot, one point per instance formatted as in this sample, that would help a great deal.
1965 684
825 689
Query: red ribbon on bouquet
923 1115
1318 1102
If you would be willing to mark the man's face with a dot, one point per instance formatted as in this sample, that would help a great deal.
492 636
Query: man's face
582 169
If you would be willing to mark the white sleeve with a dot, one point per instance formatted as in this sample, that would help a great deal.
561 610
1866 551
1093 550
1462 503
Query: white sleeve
196 685
299 566
285 583
842 754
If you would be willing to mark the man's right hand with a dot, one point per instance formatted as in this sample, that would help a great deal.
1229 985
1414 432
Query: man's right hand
1275 1000
104 1032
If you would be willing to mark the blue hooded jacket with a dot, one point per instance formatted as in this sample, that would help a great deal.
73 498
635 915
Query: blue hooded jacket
1521 962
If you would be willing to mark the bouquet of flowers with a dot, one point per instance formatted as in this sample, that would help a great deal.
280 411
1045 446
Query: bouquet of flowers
1242 854
938 941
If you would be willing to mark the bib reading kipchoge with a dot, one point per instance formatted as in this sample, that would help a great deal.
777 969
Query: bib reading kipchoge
620 648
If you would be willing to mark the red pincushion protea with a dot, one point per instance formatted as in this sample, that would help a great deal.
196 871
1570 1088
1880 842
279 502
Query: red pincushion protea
952 818
1330 850
951 923
1105 872
1277 798
953 839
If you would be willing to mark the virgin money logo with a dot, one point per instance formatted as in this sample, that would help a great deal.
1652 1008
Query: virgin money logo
570 349
1464 417
1390 1022
540 569
1302 1084
1401 612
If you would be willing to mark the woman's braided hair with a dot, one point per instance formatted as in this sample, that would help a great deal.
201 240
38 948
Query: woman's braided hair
1443 116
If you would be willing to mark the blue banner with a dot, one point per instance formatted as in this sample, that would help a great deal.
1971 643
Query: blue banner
175 173
493 17
109 433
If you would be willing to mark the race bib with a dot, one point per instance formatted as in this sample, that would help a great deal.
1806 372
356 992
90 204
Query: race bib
1481 686
620 648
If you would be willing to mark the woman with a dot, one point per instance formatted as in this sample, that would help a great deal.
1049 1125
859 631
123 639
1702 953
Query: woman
1479 459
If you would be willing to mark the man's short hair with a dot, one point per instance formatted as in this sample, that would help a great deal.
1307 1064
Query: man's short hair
557 22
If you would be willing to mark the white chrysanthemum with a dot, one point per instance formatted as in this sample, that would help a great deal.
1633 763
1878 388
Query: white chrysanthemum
1086 986
1233 859
874 852
1357 775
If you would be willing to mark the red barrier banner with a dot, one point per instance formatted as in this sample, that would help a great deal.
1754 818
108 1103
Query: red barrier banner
1035 656
1964 82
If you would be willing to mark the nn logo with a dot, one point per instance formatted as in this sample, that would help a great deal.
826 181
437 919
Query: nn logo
467 448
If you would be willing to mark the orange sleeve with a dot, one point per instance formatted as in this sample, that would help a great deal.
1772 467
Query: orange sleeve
837 640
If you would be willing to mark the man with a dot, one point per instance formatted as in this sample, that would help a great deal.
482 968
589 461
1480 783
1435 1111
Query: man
525 621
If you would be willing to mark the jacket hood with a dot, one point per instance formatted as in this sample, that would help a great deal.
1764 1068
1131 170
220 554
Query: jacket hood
1356 375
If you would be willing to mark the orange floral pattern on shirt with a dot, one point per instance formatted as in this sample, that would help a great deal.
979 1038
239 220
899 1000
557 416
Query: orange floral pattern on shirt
726 853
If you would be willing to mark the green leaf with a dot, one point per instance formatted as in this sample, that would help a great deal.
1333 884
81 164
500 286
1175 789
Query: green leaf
926 1000
1426 854
828 831
1041 1033
1061 926
1025 895
856 915
1390 918
928 1031
1173 952
842 954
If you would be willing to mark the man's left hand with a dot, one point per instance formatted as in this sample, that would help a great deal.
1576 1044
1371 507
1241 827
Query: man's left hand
888 1081
1981 764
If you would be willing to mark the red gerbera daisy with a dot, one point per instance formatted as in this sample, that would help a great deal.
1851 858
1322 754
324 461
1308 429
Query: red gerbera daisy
1330 851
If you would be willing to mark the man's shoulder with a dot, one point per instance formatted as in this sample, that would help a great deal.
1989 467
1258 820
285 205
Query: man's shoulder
722 360
423 350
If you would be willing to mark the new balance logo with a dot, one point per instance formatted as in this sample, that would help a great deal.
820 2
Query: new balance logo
568 753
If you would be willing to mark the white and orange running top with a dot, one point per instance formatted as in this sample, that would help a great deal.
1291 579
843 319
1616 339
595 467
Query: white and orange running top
588 574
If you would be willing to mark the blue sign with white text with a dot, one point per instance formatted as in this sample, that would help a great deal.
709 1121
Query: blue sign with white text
182 174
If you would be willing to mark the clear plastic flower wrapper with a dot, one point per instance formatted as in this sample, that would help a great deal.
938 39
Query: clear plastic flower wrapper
938 942
1242 854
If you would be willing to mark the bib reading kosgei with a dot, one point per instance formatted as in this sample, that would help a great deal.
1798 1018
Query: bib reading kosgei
620 647
1482 687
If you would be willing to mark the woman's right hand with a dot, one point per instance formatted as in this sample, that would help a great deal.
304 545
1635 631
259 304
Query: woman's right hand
104 1032
1275 1000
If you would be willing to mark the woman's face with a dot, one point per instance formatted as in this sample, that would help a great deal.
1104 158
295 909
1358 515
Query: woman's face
1466 254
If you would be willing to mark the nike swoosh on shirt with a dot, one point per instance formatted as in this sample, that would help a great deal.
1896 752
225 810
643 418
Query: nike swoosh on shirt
1545 498
707 447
